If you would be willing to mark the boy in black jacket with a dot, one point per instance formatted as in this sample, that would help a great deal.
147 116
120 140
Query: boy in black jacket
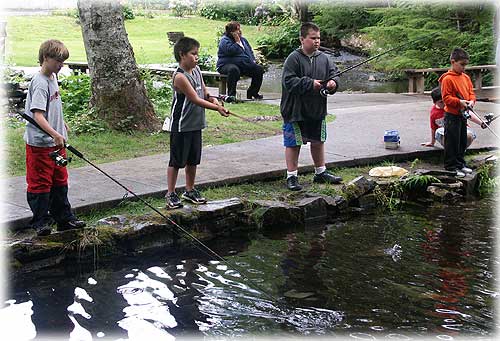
303 108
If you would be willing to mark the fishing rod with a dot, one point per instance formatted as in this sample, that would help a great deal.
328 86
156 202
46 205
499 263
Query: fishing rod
234 99
484 124
204 248
331 52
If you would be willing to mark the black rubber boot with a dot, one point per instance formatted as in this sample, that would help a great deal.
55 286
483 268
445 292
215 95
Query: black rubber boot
39 204
60 209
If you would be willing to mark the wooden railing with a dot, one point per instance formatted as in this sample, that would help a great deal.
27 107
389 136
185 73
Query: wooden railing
219 78
416 77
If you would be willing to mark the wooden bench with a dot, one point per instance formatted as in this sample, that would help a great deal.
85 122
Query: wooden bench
158 70
416 77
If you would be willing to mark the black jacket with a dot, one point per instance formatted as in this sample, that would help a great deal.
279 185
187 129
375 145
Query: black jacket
230 52
299 102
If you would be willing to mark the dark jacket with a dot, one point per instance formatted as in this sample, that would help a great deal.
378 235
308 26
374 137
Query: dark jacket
231 53
299 101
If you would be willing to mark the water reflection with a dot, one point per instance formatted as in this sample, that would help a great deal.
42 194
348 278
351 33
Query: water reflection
393 276
359 79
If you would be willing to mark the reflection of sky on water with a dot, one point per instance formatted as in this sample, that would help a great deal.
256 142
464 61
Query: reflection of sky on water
414 277
15 321
147 316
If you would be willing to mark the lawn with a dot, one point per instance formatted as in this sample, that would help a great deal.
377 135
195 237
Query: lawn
112 146
148 36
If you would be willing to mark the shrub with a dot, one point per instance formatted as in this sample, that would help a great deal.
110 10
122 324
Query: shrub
229 10
283 41
471 30
128 13
181 7
343 20
159 92
206 61
75 95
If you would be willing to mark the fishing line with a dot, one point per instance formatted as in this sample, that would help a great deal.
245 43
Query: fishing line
288 134
330 51
205 249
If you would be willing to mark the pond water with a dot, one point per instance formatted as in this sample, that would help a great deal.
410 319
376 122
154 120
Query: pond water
357 79
399 276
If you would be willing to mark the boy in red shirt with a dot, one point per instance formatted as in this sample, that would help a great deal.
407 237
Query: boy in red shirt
458 94
437 122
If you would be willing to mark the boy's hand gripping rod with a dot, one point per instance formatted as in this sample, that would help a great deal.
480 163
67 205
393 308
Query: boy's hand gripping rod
486 123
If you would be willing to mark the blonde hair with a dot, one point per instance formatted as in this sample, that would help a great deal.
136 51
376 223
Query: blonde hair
52 48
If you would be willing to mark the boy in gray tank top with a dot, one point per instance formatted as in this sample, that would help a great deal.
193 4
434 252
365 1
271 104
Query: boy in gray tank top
186 120
47 192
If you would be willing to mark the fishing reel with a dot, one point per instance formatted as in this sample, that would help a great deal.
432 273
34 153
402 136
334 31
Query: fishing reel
228 99
490 117
324 91
59 159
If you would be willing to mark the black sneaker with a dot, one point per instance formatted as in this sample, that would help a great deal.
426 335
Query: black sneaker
194 196
43 230
173 200
71 225
292 183
327 178
256 96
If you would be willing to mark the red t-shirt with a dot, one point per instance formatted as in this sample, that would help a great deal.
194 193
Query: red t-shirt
437 117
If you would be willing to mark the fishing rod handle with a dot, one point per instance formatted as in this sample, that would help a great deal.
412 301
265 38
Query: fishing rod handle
66 145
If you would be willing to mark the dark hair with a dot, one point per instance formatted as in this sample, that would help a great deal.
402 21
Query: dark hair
52 48
459 54
183 46
436 94
231 27
305 27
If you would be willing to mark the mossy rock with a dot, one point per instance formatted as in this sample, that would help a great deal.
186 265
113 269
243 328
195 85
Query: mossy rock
270 214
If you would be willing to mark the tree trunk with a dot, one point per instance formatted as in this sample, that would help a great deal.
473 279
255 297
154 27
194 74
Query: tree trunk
118 93
302 10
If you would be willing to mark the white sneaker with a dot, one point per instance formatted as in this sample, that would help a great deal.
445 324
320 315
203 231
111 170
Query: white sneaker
466 170
459 174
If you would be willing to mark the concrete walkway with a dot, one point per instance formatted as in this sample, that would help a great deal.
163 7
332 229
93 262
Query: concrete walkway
354 138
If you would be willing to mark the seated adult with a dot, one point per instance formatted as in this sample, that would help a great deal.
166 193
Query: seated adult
236 58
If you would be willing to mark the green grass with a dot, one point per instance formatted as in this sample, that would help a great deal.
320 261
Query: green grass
112 146
148 36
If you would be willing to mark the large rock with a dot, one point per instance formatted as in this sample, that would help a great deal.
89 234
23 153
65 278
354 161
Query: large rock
219 208
481 160
357 188
314 209
469 183
275 214
335 205
443 195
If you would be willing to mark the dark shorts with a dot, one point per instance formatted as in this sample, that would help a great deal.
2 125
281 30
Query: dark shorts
185 149
299 133
42 173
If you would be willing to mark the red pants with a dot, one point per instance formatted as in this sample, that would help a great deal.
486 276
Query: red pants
42 173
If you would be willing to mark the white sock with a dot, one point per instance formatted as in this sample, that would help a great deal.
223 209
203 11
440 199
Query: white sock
293 173
319 170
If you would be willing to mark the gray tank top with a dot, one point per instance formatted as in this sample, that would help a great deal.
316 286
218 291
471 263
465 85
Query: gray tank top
184 114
